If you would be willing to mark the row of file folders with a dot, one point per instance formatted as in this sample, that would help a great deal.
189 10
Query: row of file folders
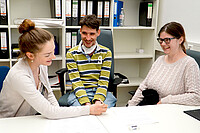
77 9
71 38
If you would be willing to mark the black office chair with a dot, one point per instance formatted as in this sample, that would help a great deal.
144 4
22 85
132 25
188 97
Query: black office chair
104 39
195 55
3 72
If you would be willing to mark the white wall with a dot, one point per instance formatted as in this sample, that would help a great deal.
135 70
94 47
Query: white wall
186 12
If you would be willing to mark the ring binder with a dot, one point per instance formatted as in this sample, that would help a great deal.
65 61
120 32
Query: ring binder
4 51
83 9
106 15
117 10
145 13
71 38
56 8
3 11
68 39
68 12
74 38
75 7
100 10
90 7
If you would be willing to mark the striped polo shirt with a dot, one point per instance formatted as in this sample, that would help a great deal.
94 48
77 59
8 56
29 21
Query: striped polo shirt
87 72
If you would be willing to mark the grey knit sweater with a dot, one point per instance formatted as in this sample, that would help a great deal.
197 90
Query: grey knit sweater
176 83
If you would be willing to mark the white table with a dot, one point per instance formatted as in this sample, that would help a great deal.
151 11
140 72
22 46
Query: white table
168 118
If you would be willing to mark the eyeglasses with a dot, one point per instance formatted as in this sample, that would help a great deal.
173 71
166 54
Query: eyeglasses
166 40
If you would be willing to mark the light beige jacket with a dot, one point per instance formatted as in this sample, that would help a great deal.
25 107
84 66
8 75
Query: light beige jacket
19 96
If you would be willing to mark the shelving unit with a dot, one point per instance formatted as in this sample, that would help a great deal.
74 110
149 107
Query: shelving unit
126 39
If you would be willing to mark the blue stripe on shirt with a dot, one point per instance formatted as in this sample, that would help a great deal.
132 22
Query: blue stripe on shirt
90 72
103 78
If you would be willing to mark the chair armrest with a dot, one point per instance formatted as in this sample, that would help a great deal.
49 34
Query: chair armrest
120 78
61 71
117 81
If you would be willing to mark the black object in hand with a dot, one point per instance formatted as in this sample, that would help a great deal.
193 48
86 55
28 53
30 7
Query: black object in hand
151 97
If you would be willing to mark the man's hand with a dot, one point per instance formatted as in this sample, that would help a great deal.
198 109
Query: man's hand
87 103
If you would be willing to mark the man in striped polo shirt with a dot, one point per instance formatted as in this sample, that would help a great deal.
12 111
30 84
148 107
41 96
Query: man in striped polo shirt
89 66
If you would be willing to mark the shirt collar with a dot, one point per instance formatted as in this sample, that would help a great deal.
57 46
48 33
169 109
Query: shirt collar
80 48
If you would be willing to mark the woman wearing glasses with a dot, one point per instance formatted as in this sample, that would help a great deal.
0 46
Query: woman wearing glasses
175 76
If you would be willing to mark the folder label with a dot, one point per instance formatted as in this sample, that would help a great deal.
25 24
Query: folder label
115 14
68 40
3 41
115 8
100 9
58 8
149 13
106 9
90 7
83 8
68 9
74 39
75 9
3 7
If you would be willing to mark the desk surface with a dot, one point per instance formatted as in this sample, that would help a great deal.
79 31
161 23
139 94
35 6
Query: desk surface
168 118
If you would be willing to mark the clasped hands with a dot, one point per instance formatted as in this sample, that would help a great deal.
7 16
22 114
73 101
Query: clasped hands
97 108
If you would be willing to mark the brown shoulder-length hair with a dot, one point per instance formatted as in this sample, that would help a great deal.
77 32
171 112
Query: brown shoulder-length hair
32 38
176 30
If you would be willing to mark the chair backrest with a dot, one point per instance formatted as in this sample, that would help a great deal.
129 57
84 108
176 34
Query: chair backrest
105 39
195 55
3 72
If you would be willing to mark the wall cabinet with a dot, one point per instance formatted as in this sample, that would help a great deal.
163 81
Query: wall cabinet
126 39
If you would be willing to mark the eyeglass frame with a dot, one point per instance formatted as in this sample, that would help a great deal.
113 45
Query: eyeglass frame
164 39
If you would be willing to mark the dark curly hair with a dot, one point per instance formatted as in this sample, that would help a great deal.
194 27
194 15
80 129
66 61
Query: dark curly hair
90 21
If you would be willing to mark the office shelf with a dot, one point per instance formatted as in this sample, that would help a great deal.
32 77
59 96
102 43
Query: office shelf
130 55
127 40
39 26
4 60
3 26
133 28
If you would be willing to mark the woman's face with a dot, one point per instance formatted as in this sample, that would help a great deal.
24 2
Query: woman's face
46 54
169 44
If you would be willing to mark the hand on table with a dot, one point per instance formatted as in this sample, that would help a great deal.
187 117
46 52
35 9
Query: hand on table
98 109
